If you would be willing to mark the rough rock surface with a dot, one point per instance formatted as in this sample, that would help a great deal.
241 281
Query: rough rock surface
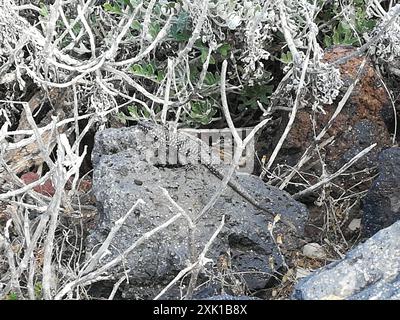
381 205
370 271
240 253
365 119
361 122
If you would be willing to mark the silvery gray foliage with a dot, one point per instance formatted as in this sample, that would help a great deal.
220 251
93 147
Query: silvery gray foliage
321 85
254 22
324 82
258 20
100 102
12 35
388 45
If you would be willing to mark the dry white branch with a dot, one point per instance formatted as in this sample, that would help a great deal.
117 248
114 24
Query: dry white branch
160 36
293 112
94 260
306 156
200 263
116 286
327 179
95 274
26 188
240 145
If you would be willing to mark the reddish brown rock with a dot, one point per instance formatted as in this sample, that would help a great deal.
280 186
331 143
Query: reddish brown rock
46 188
362 122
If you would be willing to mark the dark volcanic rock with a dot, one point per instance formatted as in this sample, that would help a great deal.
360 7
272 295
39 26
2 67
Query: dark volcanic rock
381 205
371 271
362 122
122 175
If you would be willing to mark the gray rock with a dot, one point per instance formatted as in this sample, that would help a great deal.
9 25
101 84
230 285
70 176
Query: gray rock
370 271
362 135
122 175
381 290
381 205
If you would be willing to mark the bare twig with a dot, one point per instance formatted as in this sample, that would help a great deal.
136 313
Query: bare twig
201 262
327 179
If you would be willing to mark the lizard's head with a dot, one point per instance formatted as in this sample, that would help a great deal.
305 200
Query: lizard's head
146 125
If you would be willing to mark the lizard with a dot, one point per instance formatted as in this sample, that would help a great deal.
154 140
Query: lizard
190 147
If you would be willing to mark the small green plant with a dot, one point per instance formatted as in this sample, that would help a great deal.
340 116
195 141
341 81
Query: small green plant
38 290
180 28
202 111
147 70
134 113
211 78
154 29
343 33
44 12
251 95
12 296
224 50
286 58
362 22
204 53
112 8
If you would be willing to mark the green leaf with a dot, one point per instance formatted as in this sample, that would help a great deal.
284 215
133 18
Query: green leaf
145 70
154 29
181 36
204 54
250 96
136 111
150 69
336 37
136 25
287 57
121 117
108 7
133 112
210 79
12 296
38 290
343 34
180 29
327 41
77 28
212 60
160 75
202 111
224 49
43 10
136 69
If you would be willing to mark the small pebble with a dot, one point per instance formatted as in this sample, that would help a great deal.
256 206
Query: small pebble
314 250
355 224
